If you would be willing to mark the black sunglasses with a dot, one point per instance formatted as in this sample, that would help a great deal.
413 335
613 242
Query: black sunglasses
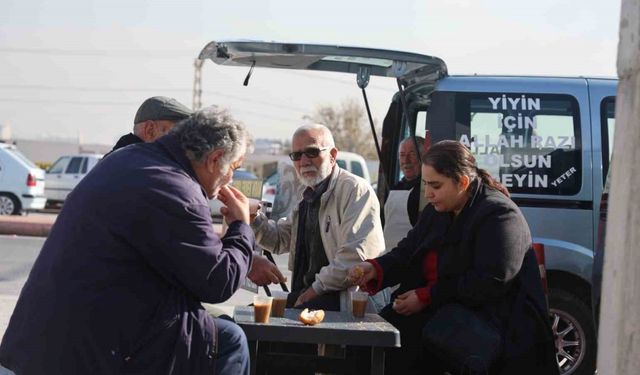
311 152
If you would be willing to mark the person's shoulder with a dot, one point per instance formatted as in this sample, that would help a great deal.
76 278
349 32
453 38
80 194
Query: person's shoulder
494 201
347 178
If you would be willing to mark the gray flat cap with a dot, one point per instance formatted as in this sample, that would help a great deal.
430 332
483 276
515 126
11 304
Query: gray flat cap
161 108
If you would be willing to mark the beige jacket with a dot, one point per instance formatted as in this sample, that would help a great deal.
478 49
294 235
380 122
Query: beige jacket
350 228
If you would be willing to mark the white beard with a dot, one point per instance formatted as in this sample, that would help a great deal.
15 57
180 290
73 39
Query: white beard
321 173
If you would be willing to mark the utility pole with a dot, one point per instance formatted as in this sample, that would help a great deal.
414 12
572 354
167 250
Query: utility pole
619 334
197 84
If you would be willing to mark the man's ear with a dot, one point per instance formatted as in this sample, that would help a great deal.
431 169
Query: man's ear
214 160
334 154
148 130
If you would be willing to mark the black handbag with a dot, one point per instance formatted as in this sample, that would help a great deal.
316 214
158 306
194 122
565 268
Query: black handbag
463 339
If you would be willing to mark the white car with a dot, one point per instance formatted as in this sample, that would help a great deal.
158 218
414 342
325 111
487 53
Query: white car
66 173
238 175
21 182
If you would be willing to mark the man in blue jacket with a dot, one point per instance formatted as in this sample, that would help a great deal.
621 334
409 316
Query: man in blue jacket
117 286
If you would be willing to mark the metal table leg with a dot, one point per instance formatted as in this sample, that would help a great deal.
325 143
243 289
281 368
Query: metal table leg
377 361
253 356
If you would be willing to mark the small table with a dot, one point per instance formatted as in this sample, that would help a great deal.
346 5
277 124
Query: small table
339 328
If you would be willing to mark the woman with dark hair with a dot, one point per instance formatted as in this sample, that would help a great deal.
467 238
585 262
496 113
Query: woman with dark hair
470 253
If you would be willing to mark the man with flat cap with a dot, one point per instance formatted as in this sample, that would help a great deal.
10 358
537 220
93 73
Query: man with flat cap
155 117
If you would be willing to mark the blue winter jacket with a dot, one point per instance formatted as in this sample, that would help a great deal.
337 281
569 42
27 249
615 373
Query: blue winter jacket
117 286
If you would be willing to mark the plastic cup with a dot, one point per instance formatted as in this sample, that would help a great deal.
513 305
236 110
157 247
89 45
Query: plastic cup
359 303
261 308
279 303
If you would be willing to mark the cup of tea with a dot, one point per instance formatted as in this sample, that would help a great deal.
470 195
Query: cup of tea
279 303
359 303
261 308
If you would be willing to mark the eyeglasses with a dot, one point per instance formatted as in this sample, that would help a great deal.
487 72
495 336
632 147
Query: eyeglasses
311 153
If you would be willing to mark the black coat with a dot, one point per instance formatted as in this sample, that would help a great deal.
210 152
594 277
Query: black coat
125 140
485 260
116 288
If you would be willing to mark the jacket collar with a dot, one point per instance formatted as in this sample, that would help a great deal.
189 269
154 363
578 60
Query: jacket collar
333 181
171 145
476 190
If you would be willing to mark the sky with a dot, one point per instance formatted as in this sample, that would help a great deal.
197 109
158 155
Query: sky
79 69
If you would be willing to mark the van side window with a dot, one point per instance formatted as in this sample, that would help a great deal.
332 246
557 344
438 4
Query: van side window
341 163
74 165
529 142
608 125
59 166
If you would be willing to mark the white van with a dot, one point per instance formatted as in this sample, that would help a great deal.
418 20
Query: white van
21 182
65 173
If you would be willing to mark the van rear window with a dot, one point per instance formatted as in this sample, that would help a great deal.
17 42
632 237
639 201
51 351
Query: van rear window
529 142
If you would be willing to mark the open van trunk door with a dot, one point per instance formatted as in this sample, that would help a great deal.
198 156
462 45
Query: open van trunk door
407 68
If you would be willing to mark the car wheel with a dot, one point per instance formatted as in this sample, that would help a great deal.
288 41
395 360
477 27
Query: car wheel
9 205
573 332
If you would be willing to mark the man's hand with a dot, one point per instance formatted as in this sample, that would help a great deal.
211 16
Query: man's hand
308 295
263 272
408 303
236 204
254 206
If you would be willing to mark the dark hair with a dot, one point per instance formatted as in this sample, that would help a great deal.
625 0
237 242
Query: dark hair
454 160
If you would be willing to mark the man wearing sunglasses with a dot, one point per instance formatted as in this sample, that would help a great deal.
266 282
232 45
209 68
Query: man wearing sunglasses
335 224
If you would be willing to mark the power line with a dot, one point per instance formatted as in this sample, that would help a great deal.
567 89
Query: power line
86 88
102 53
73 102
154 90
103 103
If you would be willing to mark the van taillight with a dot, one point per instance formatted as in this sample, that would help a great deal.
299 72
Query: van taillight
31 180
538 249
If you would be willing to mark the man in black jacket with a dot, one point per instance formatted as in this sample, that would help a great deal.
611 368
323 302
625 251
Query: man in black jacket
155 117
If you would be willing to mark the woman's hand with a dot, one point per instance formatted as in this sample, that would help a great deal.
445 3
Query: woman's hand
361 274
408 303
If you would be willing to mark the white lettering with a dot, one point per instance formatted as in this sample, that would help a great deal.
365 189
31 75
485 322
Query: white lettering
514 103
533 103
536 141
494 102
520 178
525 180
530 123
510 123
465 140
550 143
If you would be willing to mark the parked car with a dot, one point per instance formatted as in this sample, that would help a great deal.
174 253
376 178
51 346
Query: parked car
547 139
238 175
270 187
21 182
65 173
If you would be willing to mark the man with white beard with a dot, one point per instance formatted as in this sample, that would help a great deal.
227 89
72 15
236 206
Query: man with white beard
335 225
